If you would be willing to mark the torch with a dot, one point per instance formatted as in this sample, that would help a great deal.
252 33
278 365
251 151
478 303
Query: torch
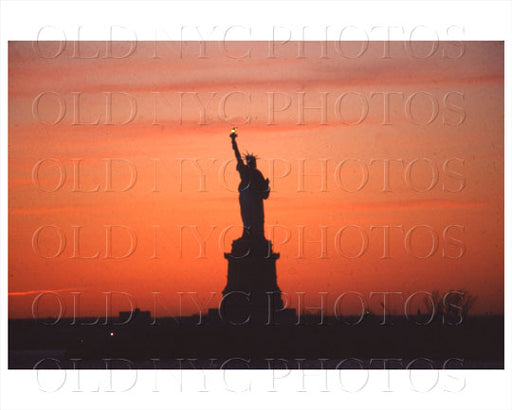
233 134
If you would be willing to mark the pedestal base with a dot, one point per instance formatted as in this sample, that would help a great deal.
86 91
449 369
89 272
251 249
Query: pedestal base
251 294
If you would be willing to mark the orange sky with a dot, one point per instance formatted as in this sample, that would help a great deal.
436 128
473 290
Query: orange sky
181 109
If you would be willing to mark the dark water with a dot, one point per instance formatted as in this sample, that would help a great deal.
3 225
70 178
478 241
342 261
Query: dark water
57 359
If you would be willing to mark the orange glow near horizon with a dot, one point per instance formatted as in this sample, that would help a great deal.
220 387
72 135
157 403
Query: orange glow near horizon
161 189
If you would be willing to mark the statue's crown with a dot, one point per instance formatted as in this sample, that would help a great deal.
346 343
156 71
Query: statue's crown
250 157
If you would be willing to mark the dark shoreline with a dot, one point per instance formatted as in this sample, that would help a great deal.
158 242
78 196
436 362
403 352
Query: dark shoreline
171 343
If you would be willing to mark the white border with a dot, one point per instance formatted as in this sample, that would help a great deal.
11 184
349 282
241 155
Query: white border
482 20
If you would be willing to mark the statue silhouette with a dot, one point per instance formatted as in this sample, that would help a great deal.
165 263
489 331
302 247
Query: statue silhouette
253 189
251 294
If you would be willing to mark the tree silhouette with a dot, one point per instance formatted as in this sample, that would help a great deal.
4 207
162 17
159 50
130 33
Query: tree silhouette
451 307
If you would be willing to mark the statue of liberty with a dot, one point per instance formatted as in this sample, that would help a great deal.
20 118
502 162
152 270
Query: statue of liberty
251 294
253 189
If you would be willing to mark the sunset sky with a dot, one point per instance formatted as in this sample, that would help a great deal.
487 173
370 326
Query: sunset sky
109 143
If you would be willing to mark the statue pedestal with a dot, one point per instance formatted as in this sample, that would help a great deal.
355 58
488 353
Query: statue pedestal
251 294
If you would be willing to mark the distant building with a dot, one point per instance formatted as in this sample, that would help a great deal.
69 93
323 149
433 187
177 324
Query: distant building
136 317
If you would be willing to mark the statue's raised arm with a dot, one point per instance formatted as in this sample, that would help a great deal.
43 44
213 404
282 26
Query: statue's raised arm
233 136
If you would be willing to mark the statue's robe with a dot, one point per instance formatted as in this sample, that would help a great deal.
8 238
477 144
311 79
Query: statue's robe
253 190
